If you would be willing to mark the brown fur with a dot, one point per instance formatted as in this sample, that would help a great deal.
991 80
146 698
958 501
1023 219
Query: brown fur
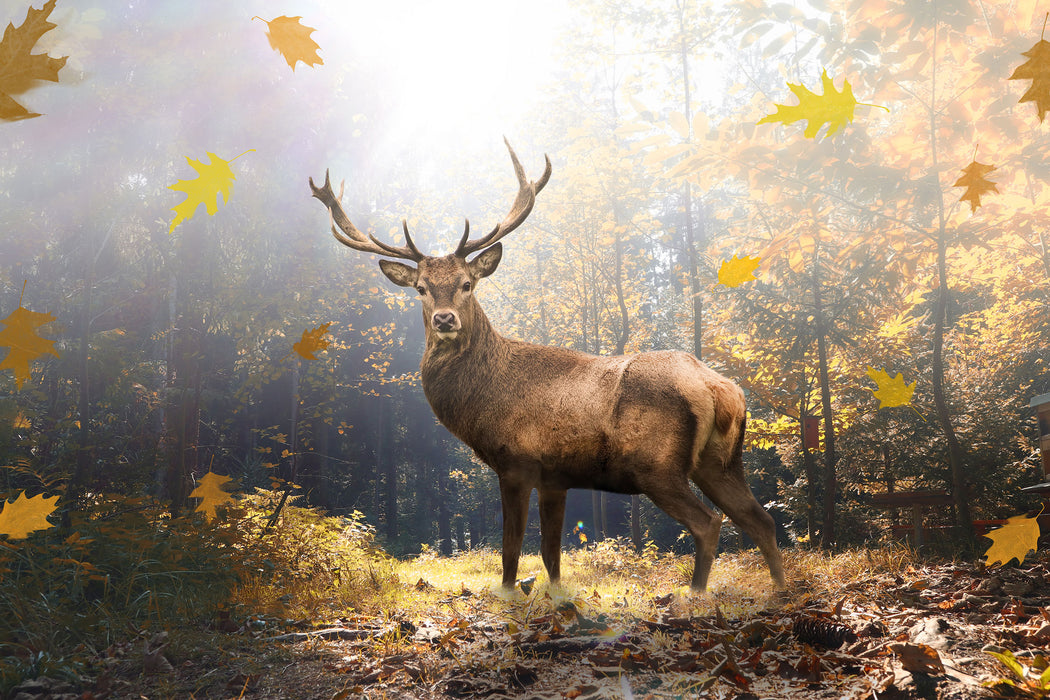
552 419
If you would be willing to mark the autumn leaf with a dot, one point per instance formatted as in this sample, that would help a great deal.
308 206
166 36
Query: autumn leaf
19 334
311 342
736 271
292 40
19 67
1036 69
24 515
1013 540
892 391
975 183
214 178
833 108
211 493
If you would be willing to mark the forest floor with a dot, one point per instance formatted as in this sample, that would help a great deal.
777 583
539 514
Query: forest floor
863 624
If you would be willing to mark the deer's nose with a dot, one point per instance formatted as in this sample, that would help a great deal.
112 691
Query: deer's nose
444 321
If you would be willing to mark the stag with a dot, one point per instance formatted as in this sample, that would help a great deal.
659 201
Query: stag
553 419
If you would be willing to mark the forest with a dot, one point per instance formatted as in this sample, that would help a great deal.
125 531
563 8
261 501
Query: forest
841 205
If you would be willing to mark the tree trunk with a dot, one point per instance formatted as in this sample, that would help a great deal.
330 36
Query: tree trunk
960 489
827 531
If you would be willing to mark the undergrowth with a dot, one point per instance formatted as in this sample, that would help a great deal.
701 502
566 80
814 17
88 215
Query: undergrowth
124 571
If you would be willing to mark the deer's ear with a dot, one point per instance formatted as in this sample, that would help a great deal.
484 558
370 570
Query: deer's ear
400 274
487 262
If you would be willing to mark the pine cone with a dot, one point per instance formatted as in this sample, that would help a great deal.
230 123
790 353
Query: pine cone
823 632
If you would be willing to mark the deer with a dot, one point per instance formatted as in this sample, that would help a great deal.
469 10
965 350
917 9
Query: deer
551 419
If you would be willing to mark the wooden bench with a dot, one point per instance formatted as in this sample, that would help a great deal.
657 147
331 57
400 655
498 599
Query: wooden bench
916 501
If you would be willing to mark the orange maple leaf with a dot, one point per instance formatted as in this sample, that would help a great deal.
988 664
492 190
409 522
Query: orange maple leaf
1036 69
1013 540
833 108
736 271
975 183
24 515
213 179
311 342
211 493
19 68
19 334
292 40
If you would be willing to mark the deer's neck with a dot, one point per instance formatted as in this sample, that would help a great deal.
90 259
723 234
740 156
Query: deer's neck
458 374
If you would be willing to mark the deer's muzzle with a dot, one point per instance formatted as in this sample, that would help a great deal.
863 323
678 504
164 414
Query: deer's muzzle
445 322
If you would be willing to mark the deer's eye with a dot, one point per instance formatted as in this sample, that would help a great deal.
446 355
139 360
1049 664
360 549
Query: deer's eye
421 289
466 286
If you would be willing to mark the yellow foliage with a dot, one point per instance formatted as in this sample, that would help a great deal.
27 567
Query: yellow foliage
19 334
211 493
213 179
19 67
1013 540
292 40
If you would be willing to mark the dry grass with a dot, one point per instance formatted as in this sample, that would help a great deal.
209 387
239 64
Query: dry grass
610 577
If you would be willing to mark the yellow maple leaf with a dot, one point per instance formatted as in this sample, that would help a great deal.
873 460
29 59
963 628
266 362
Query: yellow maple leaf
1013 540
19 67
736 271
892 391
24 515
1036 69
975 183
311 342
211 493
833 108
19 334
292 40
213 179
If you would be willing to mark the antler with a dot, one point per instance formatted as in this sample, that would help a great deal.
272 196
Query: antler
350 236
523 203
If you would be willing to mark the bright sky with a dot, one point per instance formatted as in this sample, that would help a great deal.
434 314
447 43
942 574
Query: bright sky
465 70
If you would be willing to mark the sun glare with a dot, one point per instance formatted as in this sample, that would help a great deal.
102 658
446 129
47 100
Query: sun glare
465 70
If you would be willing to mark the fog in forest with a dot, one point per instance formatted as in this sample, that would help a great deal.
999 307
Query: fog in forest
894 300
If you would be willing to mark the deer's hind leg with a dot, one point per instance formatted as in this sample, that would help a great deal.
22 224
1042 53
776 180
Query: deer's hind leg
728 490
677 499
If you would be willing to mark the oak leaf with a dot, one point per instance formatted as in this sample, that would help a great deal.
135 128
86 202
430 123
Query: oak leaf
975 183
833 108
1013 540
312 341
24 515
292 40
1036 69
892 391
212 494
19 67
19 334
736 271
214 178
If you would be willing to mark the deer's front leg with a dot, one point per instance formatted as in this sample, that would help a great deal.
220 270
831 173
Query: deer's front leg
515 499
552 520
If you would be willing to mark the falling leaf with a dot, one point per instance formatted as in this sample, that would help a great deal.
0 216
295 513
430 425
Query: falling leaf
292 40
19 68
1036 69
833 108
211 493
24 515
975 183
312 341
1013 540
19 334
214 178
736 271
892 391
